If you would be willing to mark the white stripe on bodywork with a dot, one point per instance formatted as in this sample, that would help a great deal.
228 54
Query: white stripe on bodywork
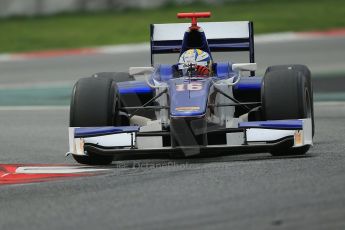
263 135
112 140
213 30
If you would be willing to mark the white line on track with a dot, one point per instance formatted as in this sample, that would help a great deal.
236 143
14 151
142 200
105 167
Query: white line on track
128 48
58 169
33 108
330 103
38 85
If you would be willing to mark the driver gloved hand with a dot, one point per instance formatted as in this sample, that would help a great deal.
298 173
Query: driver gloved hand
202 70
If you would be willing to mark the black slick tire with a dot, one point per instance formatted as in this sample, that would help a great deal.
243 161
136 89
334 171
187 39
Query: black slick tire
94 103
286 95
307 75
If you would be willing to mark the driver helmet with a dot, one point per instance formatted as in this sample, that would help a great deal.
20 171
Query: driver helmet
196 58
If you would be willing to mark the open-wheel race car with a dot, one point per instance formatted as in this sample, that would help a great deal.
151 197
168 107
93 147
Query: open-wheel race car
196 105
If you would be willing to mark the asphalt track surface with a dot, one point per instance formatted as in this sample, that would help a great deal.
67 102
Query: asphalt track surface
226 192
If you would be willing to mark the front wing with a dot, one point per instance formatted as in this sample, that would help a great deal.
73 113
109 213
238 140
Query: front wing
249 137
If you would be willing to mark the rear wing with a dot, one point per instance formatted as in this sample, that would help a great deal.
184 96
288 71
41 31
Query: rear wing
221 37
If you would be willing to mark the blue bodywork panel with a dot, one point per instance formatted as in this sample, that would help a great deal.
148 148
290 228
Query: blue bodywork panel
189 97
223 69
134 87
165 72
99 131
276 124
185 101
249 83
189 42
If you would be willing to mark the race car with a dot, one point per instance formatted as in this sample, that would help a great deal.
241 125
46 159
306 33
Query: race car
196 105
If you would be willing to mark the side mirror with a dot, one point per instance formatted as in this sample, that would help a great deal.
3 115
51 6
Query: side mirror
140 70
244 66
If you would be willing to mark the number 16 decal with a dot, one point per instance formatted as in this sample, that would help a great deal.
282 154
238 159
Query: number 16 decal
194 86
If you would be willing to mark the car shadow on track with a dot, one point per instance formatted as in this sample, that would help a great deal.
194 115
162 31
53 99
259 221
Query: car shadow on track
150 160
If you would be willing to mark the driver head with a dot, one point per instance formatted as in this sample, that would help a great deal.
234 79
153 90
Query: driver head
193 58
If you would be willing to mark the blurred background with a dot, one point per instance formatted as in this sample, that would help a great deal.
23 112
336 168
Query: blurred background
46 7
48 24
46 45
309 32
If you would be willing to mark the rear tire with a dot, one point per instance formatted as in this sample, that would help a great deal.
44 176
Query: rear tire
94 103
286 95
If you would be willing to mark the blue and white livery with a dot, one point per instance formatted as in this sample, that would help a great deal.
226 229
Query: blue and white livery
196 105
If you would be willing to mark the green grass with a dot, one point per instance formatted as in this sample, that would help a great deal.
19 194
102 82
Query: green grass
130 26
